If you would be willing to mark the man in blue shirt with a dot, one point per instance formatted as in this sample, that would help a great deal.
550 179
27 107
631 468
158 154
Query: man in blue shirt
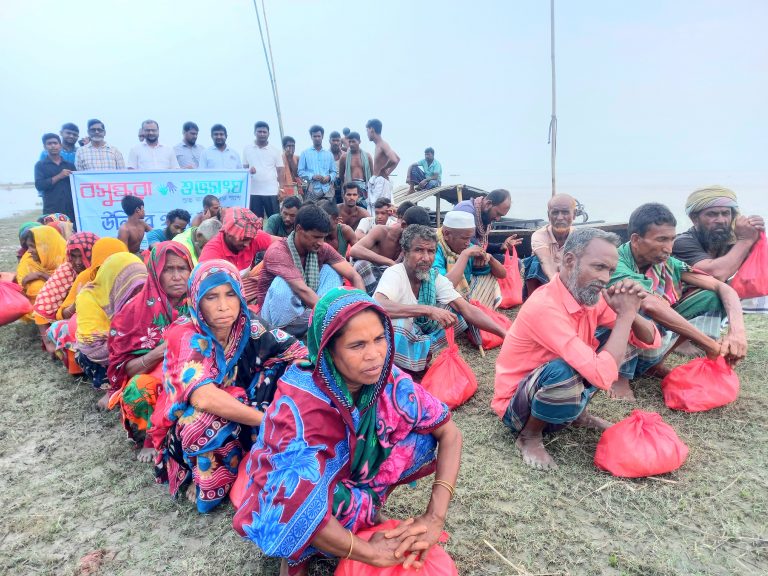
219 156
425 174
318 167
175 222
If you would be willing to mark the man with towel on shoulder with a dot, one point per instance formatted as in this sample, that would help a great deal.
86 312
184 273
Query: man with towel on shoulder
469 267
720 239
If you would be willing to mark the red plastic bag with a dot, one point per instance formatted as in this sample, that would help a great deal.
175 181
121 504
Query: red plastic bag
512 285
13 303
490 340
751 280
237 492
641 445
438 562
449 378
701 384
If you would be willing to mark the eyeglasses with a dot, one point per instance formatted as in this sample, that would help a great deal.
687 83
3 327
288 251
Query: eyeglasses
96 130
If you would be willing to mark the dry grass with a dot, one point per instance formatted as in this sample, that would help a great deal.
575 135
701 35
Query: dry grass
70 485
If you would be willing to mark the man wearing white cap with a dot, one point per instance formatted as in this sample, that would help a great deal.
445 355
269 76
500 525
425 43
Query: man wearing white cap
471 269
422 303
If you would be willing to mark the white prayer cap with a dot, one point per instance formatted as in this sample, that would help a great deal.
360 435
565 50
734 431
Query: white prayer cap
459 220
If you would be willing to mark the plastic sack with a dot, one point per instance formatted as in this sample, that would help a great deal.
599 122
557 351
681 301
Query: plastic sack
438 562
751 280
13 303
449 378
490 340
237 492
701 384
512 285
640 445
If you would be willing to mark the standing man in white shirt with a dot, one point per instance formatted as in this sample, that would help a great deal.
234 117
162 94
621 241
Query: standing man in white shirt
188 151
150 154
219 156
266 166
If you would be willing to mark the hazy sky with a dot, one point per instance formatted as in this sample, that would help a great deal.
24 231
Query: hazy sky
642 86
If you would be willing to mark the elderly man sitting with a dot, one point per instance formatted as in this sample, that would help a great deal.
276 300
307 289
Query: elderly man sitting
720 239
486 210
196 237
694 313
547 243
546 377
422 303
471 269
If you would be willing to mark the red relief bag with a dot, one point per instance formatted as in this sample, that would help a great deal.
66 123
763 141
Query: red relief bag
13 303
449 378
640 445
512 285
438 562
237 492
490 340
699 385
751 280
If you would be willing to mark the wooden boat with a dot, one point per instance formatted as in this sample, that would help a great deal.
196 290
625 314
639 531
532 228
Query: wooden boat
501 230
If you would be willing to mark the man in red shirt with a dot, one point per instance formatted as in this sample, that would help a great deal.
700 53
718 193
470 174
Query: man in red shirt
238 241
298 270
554 358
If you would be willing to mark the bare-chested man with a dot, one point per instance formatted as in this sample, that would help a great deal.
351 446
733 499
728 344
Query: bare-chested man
385 160
132 231
356 165
350 212
380 248
341 236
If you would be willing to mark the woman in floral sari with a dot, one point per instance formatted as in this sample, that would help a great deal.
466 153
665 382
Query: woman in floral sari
221 367
341 433
46 251
136 344
117 281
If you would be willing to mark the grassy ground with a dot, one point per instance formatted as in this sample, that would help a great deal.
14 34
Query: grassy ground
70 485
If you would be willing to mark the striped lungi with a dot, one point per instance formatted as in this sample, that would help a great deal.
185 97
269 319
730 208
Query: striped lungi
370 273
414 348
485 289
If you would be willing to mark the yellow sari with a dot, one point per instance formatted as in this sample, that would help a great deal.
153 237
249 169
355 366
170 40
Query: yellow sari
51 249
102 249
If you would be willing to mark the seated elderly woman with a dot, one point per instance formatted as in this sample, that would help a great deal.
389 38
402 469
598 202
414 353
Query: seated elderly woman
46 251
221 368
136 344
117 281
343 430
54 292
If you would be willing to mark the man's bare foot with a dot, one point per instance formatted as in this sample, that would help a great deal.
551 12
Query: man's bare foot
659 371
146 454
587 420
688 348
103 402
410 189
192 493
621 390
533 452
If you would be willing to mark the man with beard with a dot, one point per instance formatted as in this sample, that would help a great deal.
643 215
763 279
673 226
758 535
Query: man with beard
282 224
693 314
97 154
350 212
547 243
317 167
355 166
423 303
188 151
546 377
720 239
487 210
219 156
150 154
175 223
265 164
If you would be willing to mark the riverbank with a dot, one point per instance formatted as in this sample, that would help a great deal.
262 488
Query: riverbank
71 485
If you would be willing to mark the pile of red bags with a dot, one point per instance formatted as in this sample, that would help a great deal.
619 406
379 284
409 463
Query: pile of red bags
512 285
449 378
13 303
640 445
751 280
438 562
699 385
490 340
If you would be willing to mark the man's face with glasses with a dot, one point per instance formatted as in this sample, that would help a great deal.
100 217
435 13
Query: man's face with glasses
96 133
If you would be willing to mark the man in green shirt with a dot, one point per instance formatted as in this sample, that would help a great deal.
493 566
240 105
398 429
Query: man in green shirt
281 224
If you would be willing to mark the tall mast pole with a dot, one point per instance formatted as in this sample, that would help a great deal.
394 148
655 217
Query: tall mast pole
553 119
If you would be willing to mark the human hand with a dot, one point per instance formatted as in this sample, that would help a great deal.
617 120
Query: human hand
387 545
441 316
744 230
511 242
734 346
417 537
65 173
473 251
423 183
625 297
757 222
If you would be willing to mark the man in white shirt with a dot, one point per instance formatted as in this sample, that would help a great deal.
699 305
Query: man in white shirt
266 166
219 156
150 154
